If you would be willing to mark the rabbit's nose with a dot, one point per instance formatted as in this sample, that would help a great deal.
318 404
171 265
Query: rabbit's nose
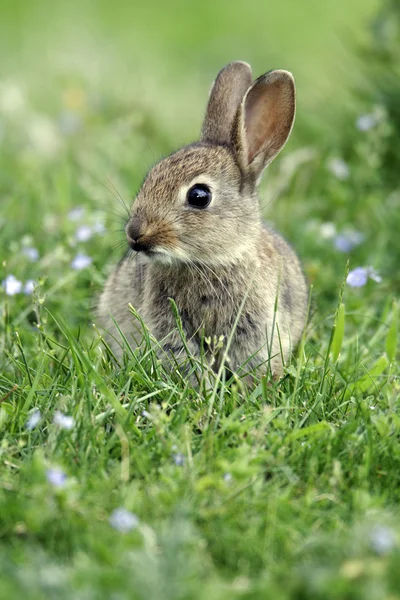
135 237
140 244
134 230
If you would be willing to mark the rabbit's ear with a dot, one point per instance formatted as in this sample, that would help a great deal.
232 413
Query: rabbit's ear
228 90
264 120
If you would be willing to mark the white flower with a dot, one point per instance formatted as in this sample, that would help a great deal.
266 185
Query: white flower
33 420
382 539
31 253
43 136
366 122
339 168
12 285
123 520
83 233
29 287
63 421
327 230
374 275
81 261
56 477
75 214
12 100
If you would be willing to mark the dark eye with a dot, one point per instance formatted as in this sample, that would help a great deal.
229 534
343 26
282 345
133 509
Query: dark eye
199 195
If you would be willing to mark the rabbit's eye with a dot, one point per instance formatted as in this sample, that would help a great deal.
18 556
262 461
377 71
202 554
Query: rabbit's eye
199 195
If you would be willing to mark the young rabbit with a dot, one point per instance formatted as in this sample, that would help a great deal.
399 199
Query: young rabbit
199 239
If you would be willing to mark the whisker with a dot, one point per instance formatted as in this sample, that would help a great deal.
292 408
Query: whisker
119 197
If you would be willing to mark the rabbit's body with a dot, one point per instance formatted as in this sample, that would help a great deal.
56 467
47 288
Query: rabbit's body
226 272
209 300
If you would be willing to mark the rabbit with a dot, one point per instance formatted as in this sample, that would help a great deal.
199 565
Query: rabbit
199 239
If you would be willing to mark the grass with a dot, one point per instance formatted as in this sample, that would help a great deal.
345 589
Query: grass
287 491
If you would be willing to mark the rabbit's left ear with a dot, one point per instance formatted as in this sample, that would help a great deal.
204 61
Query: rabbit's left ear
228 90
264 121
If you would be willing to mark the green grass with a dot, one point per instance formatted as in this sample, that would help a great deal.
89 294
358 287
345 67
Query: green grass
287 491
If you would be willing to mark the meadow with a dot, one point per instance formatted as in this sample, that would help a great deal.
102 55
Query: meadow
124 481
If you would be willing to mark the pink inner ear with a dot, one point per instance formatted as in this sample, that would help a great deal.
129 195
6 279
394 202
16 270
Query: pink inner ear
268 118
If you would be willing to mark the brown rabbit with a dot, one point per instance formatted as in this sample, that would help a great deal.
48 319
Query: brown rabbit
197 230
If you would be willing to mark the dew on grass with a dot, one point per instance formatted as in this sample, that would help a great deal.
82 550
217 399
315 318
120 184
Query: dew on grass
33 420
83 233
31 253
63 421
81 261
56 477
179 459
382 539
123 520
339 168
12 285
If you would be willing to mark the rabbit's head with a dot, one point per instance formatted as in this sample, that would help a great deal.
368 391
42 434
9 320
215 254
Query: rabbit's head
200 203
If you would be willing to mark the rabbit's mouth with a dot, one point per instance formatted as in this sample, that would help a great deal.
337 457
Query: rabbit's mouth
152 253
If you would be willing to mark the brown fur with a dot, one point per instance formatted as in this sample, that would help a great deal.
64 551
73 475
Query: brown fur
213 262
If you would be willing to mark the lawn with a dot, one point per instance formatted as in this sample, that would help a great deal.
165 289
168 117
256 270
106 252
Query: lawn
124 482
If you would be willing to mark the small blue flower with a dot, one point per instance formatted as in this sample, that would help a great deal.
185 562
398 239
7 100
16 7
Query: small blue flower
123 520
339 168
83 233
179 459
99 227
358 277
12 285
75 214
366 122
33 420
227 477
56 477
29 287
382 539
81 261
31 253
344 242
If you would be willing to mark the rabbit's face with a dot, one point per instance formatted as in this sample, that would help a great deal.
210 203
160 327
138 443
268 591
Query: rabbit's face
195 206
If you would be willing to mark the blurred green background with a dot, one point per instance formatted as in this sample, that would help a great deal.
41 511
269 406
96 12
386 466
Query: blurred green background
169 52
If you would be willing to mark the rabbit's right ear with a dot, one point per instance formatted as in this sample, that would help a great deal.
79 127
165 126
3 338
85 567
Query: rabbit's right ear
227 93
264 121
